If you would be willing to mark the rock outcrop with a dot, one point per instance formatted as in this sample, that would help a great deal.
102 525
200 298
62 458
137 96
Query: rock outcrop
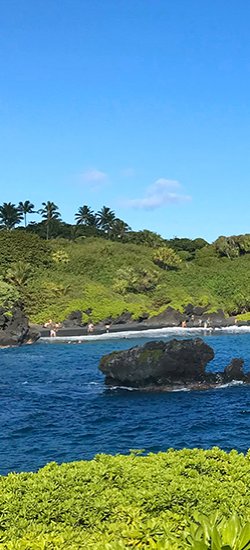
193 316
74 319
234 371
15 329
123 319
196 311
170 317
167 365
158 363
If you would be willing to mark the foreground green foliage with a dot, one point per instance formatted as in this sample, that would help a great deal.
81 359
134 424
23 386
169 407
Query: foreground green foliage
189 499
218 533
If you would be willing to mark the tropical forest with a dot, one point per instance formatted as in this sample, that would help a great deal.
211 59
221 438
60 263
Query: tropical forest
100 264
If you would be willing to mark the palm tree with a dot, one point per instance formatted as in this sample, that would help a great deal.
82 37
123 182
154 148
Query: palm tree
10 215
26 207
61 290
119 228
49 212
19 273
85 216
105 218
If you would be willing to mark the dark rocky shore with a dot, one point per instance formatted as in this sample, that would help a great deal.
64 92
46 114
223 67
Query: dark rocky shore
15 329
167 366
192 317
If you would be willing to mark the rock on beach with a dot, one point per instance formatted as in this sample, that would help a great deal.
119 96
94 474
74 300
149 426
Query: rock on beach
15 329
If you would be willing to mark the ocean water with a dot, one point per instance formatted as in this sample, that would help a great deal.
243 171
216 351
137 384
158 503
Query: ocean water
55 407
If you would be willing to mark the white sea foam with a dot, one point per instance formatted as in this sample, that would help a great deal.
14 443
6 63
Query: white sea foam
181 389
233 328
148 333
229 384
128 388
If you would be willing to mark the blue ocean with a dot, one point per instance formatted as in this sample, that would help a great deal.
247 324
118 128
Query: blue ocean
55 407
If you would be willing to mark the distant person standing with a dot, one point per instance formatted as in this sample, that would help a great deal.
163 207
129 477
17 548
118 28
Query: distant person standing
52 331
90 328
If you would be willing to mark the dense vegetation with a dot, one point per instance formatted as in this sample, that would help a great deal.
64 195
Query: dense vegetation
121 502
58 270
103 268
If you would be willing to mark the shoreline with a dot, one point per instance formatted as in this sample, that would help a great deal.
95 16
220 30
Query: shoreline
175 388
131 331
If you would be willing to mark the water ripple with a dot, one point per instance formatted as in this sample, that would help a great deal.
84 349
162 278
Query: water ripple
54 405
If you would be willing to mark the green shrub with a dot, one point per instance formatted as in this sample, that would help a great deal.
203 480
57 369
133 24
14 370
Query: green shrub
8 294
244 316
218 533
19 245
137 502
100 299
60 256
166 258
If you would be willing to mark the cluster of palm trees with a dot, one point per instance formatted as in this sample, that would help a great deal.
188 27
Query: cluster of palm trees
105 219
12 215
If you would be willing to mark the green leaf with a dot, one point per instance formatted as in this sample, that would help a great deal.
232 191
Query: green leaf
244 538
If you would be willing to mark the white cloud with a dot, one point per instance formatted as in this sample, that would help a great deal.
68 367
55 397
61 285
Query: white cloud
94 176
160 193
162 184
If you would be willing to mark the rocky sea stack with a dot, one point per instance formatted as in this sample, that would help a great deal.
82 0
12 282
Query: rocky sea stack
15 329
168 365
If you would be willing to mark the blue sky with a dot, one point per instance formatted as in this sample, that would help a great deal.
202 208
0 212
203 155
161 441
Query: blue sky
139 105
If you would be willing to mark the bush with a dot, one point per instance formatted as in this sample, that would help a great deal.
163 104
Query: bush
166 258
8 294
135 280
19 245
103 302
121 502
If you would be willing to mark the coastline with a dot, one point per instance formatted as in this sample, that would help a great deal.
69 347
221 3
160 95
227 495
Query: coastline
136 330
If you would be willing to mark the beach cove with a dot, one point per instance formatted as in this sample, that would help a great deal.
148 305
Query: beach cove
55 406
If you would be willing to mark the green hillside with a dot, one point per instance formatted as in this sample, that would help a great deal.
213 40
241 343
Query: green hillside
111 276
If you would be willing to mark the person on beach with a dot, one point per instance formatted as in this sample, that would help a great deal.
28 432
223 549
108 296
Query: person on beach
48 324
53 328
184 324
90 328
107 328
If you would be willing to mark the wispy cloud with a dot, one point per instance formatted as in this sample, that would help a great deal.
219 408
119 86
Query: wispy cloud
160 193
94 176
